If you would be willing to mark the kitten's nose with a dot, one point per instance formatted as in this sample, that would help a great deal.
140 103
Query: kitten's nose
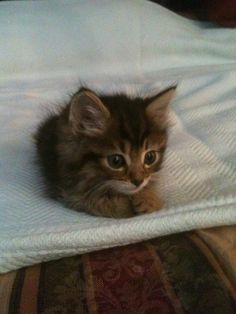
137 182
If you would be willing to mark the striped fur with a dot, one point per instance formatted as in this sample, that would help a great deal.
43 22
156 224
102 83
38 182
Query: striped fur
74 146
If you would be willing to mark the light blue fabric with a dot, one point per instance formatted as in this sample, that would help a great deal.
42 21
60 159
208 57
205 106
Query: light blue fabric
44 54
106 39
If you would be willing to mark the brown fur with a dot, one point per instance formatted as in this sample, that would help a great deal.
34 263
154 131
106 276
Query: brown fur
74 145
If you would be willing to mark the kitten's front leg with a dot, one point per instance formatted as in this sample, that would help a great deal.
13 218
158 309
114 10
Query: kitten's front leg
146 201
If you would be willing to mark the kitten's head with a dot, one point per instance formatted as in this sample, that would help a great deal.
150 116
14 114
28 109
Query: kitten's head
122 140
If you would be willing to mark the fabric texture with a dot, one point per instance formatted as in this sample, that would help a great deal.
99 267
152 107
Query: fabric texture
42 62
108 39
177 274
197 182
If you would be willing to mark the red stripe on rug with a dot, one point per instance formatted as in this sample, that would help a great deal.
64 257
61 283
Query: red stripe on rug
29 294
125 280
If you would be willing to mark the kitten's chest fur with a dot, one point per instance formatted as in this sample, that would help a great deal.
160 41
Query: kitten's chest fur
101 154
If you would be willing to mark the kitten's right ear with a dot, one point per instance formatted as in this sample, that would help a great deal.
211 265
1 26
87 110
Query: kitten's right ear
88 115
157 110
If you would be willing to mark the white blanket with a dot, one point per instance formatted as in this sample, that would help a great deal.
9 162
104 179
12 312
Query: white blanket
41 62
198 180
134 39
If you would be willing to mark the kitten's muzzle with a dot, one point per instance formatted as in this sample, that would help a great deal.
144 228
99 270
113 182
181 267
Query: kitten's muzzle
137 182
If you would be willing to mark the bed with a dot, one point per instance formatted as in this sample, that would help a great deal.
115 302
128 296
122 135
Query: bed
178 260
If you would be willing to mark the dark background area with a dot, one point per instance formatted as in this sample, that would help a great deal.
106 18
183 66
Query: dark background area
222 12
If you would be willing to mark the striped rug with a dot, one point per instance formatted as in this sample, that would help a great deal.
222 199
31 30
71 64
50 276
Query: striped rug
185 273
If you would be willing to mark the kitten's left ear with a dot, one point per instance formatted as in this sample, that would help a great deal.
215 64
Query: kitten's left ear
157 110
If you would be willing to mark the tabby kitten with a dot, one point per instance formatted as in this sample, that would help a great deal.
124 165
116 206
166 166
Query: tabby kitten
101 154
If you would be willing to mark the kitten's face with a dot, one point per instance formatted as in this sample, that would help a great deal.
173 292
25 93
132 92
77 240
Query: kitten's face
123 139
129 168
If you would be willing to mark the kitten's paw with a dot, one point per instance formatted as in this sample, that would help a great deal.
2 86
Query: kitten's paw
112 207
122 208
146 201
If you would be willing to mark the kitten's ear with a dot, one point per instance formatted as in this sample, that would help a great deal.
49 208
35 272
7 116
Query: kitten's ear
88 115
157 110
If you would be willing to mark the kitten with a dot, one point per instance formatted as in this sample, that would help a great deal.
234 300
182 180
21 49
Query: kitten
101 154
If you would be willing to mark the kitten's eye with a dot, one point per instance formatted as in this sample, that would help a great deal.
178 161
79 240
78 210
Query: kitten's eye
150 158
116 161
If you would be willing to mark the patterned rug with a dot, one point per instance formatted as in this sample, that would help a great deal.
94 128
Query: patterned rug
185 273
